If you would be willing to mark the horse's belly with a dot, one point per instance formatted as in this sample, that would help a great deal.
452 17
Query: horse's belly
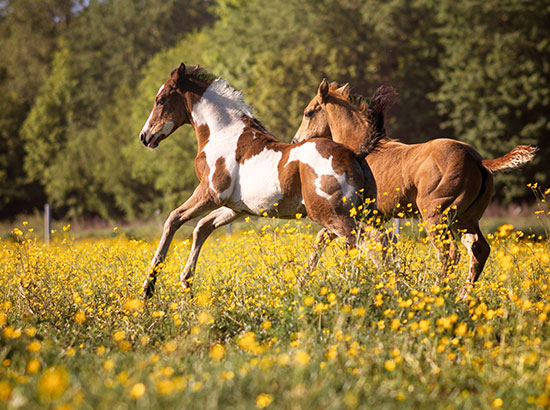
256 197
258 189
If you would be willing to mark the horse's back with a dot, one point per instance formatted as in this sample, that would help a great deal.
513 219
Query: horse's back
412 173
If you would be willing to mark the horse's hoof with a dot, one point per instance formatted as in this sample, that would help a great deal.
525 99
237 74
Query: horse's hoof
148 290
186 287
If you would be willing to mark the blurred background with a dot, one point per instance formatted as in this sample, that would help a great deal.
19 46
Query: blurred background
78 79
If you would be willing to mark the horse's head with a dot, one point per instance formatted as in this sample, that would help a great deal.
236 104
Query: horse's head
347 119
315 122
170 109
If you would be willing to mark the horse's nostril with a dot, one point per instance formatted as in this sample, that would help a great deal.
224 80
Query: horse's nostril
142 137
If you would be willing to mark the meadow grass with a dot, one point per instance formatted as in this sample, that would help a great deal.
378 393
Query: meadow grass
261 332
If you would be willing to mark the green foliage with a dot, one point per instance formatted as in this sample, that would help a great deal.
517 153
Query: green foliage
406 55
495 76
29 32
28 35
16 194
479 69
44 129
103 50
279 65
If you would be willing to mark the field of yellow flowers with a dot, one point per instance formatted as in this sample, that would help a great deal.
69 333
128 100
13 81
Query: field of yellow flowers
258 333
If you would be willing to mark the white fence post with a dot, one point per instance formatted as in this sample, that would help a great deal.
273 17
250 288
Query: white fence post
47 223
396 227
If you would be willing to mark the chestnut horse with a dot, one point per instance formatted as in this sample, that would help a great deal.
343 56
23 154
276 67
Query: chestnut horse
438 177
244 170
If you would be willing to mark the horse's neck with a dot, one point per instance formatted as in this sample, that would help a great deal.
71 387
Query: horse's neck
219 114
348 127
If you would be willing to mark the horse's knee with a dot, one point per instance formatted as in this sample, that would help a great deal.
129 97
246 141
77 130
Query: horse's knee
173 222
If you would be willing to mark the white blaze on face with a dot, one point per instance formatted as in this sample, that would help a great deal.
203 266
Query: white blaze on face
308 154
221 108
146 127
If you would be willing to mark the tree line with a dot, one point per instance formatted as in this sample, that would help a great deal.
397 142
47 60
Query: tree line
77 81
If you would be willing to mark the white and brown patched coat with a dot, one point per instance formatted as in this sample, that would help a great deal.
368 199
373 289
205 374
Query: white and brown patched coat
243 169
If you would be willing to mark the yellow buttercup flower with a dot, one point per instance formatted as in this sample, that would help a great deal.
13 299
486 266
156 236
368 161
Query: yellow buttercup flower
302 357
5 390
119 336
34 346
137 390
389 365
263 400
33 366
80 317
53 383
217 352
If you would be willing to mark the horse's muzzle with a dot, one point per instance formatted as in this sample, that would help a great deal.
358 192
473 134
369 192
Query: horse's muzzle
142 137
150 141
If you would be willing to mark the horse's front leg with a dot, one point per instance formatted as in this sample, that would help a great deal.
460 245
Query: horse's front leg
199 203
324 236
204 228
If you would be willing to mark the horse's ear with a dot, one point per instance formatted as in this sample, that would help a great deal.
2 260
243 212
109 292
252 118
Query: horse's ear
181 70
179 75
344 90
322 92
178 71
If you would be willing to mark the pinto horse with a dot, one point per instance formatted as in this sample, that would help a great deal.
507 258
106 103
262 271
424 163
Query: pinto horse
438 177
244 170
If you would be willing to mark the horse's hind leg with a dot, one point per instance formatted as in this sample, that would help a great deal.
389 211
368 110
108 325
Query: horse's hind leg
478 251
199 203
204 228
445 245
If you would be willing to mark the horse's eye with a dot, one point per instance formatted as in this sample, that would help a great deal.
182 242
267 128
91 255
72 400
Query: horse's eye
309 113
160 101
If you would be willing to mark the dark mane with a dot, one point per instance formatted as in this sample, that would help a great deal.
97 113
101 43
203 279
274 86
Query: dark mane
374 110
198 73
381 101
359 101
253 122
